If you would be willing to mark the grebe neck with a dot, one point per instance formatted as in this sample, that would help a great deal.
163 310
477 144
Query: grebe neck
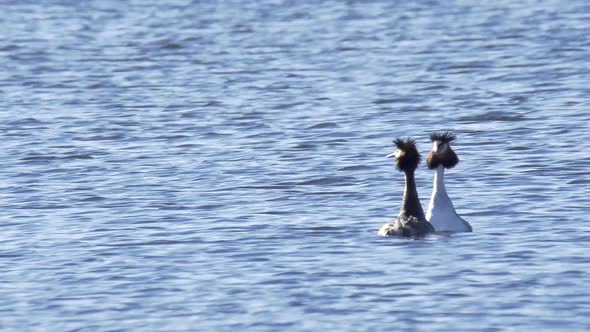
439 181
411 205
439 198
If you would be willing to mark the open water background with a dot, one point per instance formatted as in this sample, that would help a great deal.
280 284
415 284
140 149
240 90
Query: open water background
219 165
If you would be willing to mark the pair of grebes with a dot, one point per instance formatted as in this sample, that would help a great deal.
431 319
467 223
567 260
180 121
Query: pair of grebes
441 215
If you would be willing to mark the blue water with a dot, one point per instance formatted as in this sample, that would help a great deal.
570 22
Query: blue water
219 165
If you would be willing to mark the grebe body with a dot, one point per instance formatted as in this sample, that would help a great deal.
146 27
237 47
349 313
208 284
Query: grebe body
411 220
441 213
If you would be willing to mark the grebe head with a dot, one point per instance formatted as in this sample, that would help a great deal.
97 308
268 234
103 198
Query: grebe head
442 153
406 154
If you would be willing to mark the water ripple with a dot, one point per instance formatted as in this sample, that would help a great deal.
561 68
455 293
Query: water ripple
220 165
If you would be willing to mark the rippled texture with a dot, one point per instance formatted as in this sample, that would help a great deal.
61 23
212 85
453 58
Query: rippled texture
219 166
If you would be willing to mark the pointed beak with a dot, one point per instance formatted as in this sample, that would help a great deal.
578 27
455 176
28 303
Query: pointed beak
391 155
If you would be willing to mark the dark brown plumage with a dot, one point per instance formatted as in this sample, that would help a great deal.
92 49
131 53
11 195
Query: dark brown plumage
409 158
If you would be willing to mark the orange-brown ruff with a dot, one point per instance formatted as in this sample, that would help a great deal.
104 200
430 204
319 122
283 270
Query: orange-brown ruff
411 220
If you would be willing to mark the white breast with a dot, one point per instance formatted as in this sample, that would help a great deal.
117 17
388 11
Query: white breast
441 214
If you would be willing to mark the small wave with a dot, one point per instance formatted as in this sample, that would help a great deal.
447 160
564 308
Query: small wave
471 65
38 158
337 180
579 181
495 116
171 46
210 206
79 156
10 47
393 101
304 146
323 125
26 121
518 148
355 168
93 199
288 105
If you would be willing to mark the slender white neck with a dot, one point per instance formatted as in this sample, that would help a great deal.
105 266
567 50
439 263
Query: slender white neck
439 198
439 181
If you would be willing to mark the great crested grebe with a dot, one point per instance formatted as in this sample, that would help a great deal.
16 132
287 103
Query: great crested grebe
411 220
441 212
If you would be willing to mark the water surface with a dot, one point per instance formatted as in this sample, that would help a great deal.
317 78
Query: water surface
219 166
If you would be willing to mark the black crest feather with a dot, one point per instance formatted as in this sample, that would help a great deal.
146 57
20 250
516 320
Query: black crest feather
444 137
404 144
